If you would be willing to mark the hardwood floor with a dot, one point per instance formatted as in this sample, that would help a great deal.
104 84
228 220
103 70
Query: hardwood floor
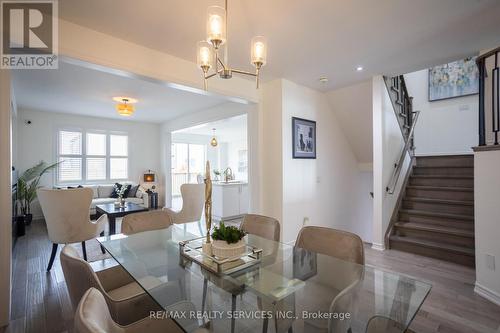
40 301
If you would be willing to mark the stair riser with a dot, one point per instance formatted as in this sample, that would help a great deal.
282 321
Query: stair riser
455 223
445 182
434 253
435 236
435 194
442 161
438 207
444 171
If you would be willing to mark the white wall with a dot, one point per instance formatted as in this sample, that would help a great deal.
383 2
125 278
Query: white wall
486 223
325 191
388 143
5 196
233 149
37 142
444 127
353 107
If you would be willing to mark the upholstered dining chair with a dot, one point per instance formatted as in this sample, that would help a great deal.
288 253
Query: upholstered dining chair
268 228
193 199
263 226
145 221
347 247
331 242
66 214
126 299
93 316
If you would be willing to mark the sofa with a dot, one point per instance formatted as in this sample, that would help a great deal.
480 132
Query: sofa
102 196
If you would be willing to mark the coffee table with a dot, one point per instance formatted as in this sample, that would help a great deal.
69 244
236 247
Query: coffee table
114 211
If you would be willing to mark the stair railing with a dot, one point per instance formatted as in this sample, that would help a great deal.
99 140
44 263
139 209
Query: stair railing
483 62
408 147
402 104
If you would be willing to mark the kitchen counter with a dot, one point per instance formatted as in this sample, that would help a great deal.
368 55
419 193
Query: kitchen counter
229 199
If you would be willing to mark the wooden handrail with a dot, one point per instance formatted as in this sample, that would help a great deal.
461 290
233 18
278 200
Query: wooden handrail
487 55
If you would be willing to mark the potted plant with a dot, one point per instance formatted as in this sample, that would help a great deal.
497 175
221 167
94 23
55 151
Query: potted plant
227 241
27 185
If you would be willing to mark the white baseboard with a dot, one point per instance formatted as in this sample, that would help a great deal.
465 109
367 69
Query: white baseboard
378 247
487 293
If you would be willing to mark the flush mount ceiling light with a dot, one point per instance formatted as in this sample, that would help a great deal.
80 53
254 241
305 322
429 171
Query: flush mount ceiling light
213 142
323 79
124 106
208 50
359 68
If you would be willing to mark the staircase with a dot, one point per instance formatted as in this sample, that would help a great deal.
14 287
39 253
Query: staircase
436 214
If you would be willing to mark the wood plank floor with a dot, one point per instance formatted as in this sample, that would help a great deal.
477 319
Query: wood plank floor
41 302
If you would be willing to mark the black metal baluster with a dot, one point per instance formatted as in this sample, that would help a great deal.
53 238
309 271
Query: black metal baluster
495 101
482 129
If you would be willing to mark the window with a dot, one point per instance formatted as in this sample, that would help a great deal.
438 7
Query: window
188 161
70 156
99 157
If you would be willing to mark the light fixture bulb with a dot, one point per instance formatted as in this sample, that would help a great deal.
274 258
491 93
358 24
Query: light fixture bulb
205 56
216 25
259 51
359 68
213 142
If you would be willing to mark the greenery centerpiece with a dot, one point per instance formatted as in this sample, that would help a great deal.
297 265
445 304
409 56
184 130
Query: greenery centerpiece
27 185
227 241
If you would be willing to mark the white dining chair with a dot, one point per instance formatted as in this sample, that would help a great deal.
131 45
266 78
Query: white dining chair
66 213
193 200
145 221
93 316
126 299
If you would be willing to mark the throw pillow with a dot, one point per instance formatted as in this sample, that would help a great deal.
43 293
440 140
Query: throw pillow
117 187
133 191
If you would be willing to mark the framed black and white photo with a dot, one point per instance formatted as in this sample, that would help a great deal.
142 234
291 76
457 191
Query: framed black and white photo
304 138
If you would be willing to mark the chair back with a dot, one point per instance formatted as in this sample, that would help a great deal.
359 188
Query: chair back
145 221
66 213
78 274
331 242
263 226
92 314
193 199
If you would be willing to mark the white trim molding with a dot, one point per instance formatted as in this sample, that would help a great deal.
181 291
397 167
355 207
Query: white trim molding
378 247
487 293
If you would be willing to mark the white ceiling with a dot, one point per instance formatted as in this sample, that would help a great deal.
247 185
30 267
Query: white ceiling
79 90
308 39
226 130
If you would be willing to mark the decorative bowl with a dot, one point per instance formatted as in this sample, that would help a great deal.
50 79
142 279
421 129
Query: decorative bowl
223 250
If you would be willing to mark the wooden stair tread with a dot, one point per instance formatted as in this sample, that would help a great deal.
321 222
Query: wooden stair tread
444 176
440 201
436 228
437 214
443 167
441 188
434 245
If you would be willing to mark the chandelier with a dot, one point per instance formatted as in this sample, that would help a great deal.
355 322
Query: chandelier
208 50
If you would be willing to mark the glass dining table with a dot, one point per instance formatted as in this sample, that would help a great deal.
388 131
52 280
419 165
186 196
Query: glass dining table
288 289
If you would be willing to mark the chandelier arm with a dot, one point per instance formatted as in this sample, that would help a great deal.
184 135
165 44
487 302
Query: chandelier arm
221 62
243 72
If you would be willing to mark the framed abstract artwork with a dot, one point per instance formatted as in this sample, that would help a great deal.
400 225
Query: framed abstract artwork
455 79
303 138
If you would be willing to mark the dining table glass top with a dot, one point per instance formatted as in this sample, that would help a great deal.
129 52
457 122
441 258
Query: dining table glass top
289 286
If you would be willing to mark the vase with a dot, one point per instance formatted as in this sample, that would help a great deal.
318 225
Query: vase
28 218
20 226
223 249
122 202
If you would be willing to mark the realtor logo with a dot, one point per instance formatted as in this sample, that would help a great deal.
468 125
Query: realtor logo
29 36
